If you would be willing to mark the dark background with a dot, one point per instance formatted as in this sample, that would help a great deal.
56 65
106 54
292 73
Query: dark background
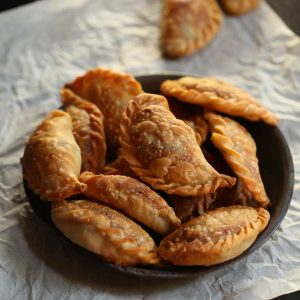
288 10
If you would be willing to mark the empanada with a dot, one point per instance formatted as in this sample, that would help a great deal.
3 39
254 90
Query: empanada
238 7
163 150
188 25
187 208
52 160
88 130
219 96
105 232
133 198
239 150
111 92
215 237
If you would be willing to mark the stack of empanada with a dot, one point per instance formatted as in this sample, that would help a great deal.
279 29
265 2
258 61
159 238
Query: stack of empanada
161 169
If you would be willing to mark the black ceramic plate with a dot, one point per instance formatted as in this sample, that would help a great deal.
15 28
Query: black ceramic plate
277 172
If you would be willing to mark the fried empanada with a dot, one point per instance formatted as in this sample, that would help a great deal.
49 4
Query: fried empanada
219 96
105 232
163 150
239 150
215 237
111 92
238 7
88 130
133 198
188 25
52 160
187 208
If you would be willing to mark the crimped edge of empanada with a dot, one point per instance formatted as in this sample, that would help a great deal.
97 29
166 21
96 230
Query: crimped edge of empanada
249 108
68 97
182 252
224 144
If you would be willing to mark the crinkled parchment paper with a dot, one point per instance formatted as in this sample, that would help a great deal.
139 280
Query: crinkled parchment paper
45 44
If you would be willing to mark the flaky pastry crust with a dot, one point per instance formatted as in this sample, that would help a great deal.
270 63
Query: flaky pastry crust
111 92
51 161
104 232
238 7
88 130
187 26
239 150
215 237
219 96
163 150
133 198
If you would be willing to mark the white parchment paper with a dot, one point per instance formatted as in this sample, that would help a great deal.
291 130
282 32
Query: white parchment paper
45 44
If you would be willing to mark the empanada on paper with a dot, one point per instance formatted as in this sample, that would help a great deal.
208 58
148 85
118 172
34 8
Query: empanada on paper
133 198
239 150
187 208
105 232
215 237
188 25
52 160
219 96
88 130
163 150
238 7
111 92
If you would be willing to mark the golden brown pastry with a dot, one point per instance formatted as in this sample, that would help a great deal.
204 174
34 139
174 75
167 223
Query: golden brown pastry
133 198
111 92
219 96
187 208
238 7
105 232
239 150
163 150
52 160
188 25
88 130
215 237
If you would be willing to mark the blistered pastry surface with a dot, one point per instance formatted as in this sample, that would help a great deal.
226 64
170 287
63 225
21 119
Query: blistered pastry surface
105 232
133 198
52 160
214 237
163 150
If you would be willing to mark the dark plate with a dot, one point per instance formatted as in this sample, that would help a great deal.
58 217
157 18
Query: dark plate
277 172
